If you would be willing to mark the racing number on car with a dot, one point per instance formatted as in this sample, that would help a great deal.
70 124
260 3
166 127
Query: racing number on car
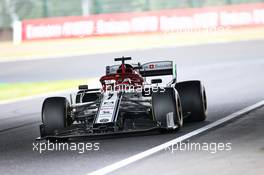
110 96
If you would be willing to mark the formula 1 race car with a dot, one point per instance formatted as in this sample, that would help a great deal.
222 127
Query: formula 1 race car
126 103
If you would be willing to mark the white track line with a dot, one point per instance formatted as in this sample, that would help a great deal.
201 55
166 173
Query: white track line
139 156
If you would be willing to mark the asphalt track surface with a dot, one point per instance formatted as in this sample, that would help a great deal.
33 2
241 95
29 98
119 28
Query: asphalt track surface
233 76
242 153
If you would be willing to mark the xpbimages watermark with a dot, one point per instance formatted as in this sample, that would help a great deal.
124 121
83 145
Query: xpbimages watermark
79 147
211 147
134 89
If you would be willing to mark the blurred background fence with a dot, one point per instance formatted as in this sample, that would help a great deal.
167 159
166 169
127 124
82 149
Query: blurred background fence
27 9
18 10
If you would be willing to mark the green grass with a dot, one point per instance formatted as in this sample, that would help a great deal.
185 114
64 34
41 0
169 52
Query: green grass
10 91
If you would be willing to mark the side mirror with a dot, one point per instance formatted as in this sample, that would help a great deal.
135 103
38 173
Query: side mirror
83 87
156 81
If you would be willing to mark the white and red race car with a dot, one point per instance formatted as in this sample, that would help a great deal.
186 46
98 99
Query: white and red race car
126 103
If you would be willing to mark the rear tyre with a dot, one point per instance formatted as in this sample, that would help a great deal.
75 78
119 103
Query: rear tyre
164 102
54 115
193 100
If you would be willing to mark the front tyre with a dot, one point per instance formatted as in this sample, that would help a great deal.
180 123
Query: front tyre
166 102
54 115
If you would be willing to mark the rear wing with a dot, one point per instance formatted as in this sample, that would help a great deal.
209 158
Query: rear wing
113 69
158 68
